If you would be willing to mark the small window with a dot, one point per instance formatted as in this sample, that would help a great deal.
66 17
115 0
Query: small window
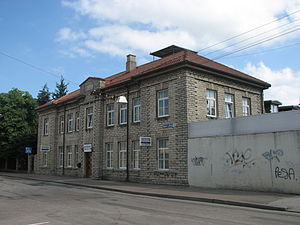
123 113
246 107
61 156
163 103
122 155
273 108
136 154
46 126
109 155
45 159
70 123
69 156
77 121
211 103
110 115
163 154
136 110
89 118
61 124
229 106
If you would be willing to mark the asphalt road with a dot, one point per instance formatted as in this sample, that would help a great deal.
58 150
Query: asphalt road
24 202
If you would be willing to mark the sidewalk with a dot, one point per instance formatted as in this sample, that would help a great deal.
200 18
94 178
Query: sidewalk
261 200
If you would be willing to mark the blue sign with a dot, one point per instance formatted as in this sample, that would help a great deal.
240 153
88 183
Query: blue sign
169 125
28 150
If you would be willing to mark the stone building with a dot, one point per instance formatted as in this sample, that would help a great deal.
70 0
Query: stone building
87 132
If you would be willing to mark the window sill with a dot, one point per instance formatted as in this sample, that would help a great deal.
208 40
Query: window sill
163 117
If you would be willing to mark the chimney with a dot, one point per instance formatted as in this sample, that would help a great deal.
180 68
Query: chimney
131 63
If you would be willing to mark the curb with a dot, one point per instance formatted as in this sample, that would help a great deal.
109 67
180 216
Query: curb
179 197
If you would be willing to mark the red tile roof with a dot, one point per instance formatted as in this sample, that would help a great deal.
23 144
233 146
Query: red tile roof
176 58
64 98
183 56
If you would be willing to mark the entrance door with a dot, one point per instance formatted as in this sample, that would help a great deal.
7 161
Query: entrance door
88 164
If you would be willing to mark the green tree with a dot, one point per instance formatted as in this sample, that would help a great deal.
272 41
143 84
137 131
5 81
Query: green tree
18 123
44 95
61 89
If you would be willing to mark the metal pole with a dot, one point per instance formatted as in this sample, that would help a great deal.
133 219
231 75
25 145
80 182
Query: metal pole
127 127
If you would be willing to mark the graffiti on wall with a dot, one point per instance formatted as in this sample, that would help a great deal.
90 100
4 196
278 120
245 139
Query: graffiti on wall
198 161
273 154
243 158
283 173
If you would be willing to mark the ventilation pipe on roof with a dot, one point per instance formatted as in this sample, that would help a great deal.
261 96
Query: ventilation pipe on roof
131 63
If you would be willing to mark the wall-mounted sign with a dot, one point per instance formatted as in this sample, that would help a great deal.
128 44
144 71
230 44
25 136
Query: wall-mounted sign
28 150
45 148
87 148
169 125
145 141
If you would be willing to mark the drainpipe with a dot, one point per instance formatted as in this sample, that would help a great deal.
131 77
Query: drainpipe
127 135
64 142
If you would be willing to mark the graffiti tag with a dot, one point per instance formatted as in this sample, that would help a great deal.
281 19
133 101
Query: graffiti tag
285 173
273 154
243 159
198 161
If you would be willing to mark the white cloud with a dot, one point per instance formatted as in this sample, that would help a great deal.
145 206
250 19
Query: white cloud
66 34
285 82
152 24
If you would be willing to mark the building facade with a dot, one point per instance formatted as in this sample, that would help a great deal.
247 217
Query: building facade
89 133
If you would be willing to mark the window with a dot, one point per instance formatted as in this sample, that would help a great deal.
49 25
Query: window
110 115
163 103
136 110
229 106
77 121
89 118
46 126
163 154
61 124
61 156
246 107
123 113
211 103
136 154
69 156
273 108
70 123
76 155
109 154
45 158
122 155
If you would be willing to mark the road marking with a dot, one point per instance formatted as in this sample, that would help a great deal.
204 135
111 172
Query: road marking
38 223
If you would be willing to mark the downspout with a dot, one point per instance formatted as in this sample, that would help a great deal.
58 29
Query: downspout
127 142
64 142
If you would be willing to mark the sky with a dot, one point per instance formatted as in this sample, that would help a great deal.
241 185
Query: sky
40 41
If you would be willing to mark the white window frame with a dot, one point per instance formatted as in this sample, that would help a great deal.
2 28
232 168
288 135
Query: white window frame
163 105
70 123
229 106
122 155
109 155
60 156
136 154
77 121
123 113
211 101
89 117
136 110
61 124
45 159
69 160
163 150
273 108
110 115
246 106
46 126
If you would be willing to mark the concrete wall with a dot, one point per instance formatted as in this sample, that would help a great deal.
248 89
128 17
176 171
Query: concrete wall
259 153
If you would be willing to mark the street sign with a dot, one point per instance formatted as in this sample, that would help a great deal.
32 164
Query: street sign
145 141
28 150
